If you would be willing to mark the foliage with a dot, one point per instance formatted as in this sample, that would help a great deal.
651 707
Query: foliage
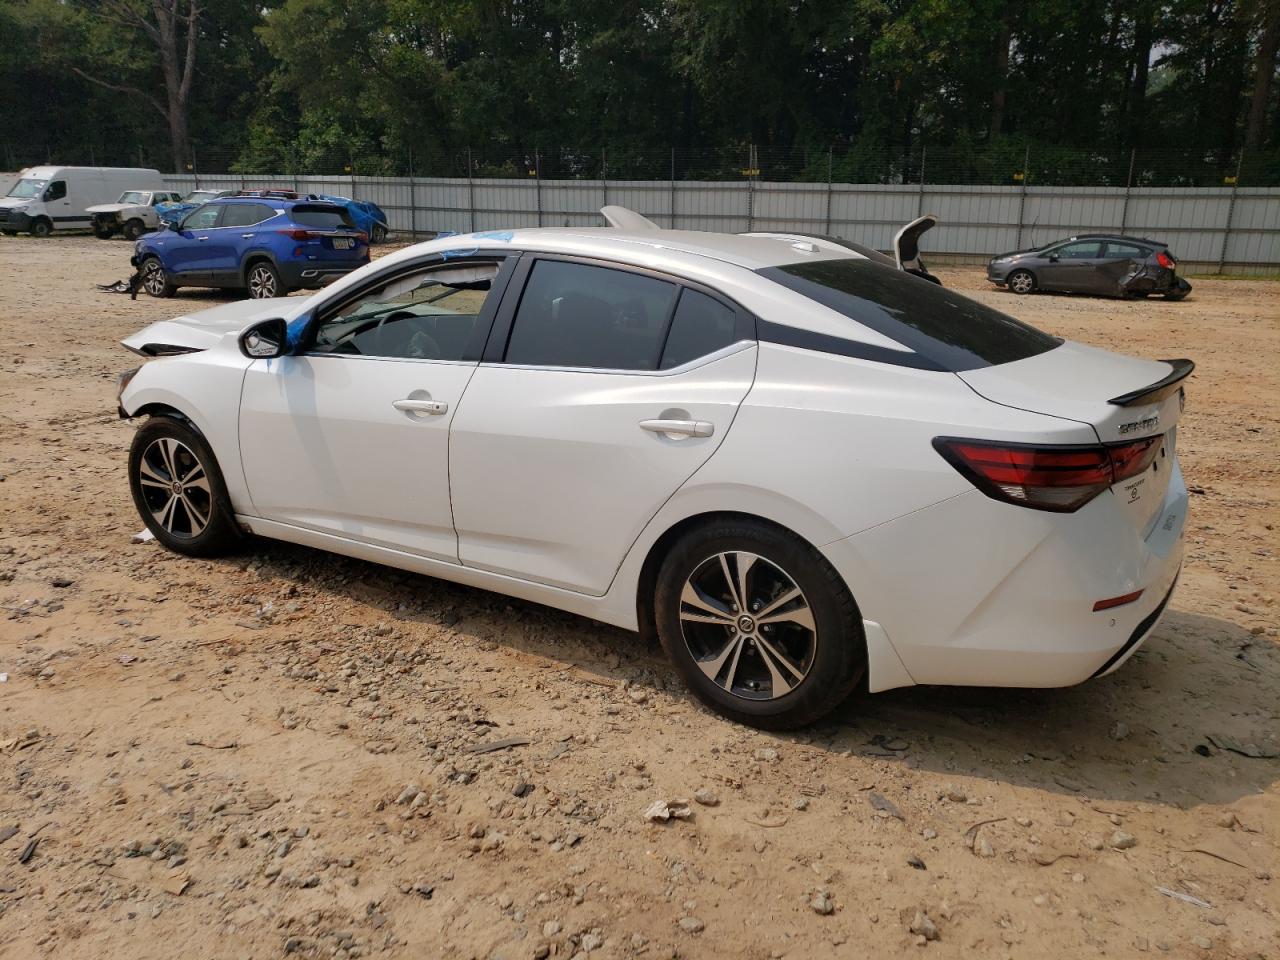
861 89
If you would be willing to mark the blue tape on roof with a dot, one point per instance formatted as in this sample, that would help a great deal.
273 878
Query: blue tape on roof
450 254
503 235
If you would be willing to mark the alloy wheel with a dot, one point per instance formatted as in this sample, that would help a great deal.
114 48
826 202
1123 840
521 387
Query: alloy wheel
1021 282
262 282
175 487
748 626
153 279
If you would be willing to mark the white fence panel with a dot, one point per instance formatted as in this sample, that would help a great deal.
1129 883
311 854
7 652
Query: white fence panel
973 220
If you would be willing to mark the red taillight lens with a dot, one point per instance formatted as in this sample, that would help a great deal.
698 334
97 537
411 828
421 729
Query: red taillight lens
298 234
1062 478
1165 260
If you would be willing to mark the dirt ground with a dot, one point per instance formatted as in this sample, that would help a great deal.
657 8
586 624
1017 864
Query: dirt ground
287 752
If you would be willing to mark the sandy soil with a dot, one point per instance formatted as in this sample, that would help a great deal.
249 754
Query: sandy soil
285 752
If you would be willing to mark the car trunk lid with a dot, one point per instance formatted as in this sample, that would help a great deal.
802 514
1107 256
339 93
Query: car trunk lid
1123 398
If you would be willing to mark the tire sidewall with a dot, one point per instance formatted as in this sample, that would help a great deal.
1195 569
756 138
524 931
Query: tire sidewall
133 229
841 655
41 228
222 531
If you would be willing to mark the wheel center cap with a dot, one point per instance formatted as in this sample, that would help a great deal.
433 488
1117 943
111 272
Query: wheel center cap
746 624
177 487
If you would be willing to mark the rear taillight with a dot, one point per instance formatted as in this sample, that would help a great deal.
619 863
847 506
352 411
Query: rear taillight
1165 260
1058 478
295 233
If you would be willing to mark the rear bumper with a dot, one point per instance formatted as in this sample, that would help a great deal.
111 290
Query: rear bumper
311 275
974 592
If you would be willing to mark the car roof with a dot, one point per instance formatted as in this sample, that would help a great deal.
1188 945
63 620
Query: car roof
643 246
1116 236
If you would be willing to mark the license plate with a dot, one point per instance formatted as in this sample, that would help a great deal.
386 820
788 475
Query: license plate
343 243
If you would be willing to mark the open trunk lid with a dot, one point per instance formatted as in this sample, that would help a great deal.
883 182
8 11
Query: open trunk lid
1123 398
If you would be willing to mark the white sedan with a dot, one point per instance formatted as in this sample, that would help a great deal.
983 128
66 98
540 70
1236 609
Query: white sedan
807 471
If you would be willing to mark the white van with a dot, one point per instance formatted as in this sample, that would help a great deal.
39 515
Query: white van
45 199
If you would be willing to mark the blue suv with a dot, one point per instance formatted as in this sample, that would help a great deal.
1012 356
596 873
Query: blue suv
263 243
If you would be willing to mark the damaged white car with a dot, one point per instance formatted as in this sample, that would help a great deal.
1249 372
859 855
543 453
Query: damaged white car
132 215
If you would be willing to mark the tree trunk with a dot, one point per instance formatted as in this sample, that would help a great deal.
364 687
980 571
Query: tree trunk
1264 66
996 125
1135 112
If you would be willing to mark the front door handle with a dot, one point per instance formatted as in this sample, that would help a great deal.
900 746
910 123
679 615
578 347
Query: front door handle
429 407
679 428
247 236
202 239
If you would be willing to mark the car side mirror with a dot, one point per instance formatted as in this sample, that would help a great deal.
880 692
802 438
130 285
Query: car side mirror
265 339
1053 258
174 225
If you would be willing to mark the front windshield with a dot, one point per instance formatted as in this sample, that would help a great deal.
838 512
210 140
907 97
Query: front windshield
199 196
28 188
133 196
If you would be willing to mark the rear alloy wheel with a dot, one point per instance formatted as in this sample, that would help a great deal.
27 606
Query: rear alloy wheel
1021 282
378 234
759 624
155 280
133 229
178 489
263 281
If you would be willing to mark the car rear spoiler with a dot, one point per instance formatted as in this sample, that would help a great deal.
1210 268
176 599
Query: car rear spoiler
1158 390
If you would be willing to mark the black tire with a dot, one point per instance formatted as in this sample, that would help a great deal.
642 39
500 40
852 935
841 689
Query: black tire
155 279
103 231
378 234
133 229
41 227
833 653
1021 282
1176 295
178 527
9 233
263 281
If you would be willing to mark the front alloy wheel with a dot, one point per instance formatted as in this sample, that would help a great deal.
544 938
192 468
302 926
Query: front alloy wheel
178 489
747 625
1021 282
154 279
175 488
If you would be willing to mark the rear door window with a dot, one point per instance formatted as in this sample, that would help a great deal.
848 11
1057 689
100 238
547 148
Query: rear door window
579 315
246 214
1127 251
322 217
942 329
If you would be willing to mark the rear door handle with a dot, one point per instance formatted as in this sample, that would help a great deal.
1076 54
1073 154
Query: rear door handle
430 407
679 428
247 236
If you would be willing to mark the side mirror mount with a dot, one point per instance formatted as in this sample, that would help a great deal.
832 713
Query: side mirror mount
174 225
265 340
1053 258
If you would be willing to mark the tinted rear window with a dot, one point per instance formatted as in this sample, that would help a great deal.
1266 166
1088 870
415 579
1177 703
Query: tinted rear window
950 331
322 217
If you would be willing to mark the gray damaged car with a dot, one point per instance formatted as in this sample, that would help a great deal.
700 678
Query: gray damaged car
1096 263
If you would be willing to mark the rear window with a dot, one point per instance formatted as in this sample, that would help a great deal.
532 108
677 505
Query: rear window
949 331
324 217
